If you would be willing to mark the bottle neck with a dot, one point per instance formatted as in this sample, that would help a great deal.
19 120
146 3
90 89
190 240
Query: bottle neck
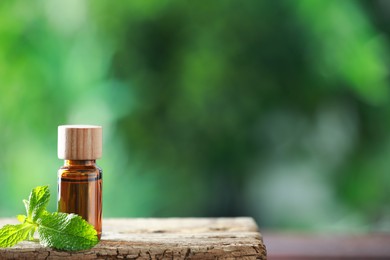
79 162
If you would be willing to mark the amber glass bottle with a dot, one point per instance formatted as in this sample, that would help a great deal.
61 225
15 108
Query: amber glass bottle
80 179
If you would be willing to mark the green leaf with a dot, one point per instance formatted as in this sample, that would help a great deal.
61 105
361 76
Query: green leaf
37 202
21 218
10 235
59 230
26 205
31 233
66 232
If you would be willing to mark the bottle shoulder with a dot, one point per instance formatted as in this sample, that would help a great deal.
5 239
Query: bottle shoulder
80 167
80 170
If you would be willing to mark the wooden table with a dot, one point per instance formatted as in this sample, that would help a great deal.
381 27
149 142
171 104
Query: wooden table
206 238
172 238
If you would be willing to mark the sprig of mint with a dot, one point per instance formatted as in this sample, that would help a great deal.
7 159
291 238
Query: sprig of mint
58 230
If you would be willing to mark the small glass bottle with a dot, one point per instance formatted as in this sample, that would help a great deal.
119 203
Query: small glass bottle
80 179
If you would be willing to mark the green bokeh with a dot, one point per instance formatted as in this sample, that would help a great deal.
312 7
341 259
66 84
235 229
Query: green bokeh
274 109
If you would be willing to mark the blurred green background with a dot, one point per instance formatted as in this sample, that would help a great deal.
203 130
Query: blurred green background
278 110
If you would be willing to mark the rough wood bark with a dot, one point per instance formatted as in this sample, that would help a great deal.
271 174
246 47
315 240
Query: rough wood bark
171 238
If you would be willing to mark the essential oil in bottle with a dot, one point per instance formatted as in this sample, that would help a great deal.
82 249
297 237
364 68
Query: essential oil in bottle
80 179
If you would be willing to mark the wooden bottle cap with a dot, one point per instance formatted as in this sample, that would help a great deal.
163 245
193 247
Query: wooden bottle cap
79 142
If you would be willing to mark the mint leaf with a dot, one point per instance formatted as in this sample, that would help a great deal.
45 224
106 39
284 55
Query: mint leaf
21 218
59 230
26 204
66 232
10 235
37 202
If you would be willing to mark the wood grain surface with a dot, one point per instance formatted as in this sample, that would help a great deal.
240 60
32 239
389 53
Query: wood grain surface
169 238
